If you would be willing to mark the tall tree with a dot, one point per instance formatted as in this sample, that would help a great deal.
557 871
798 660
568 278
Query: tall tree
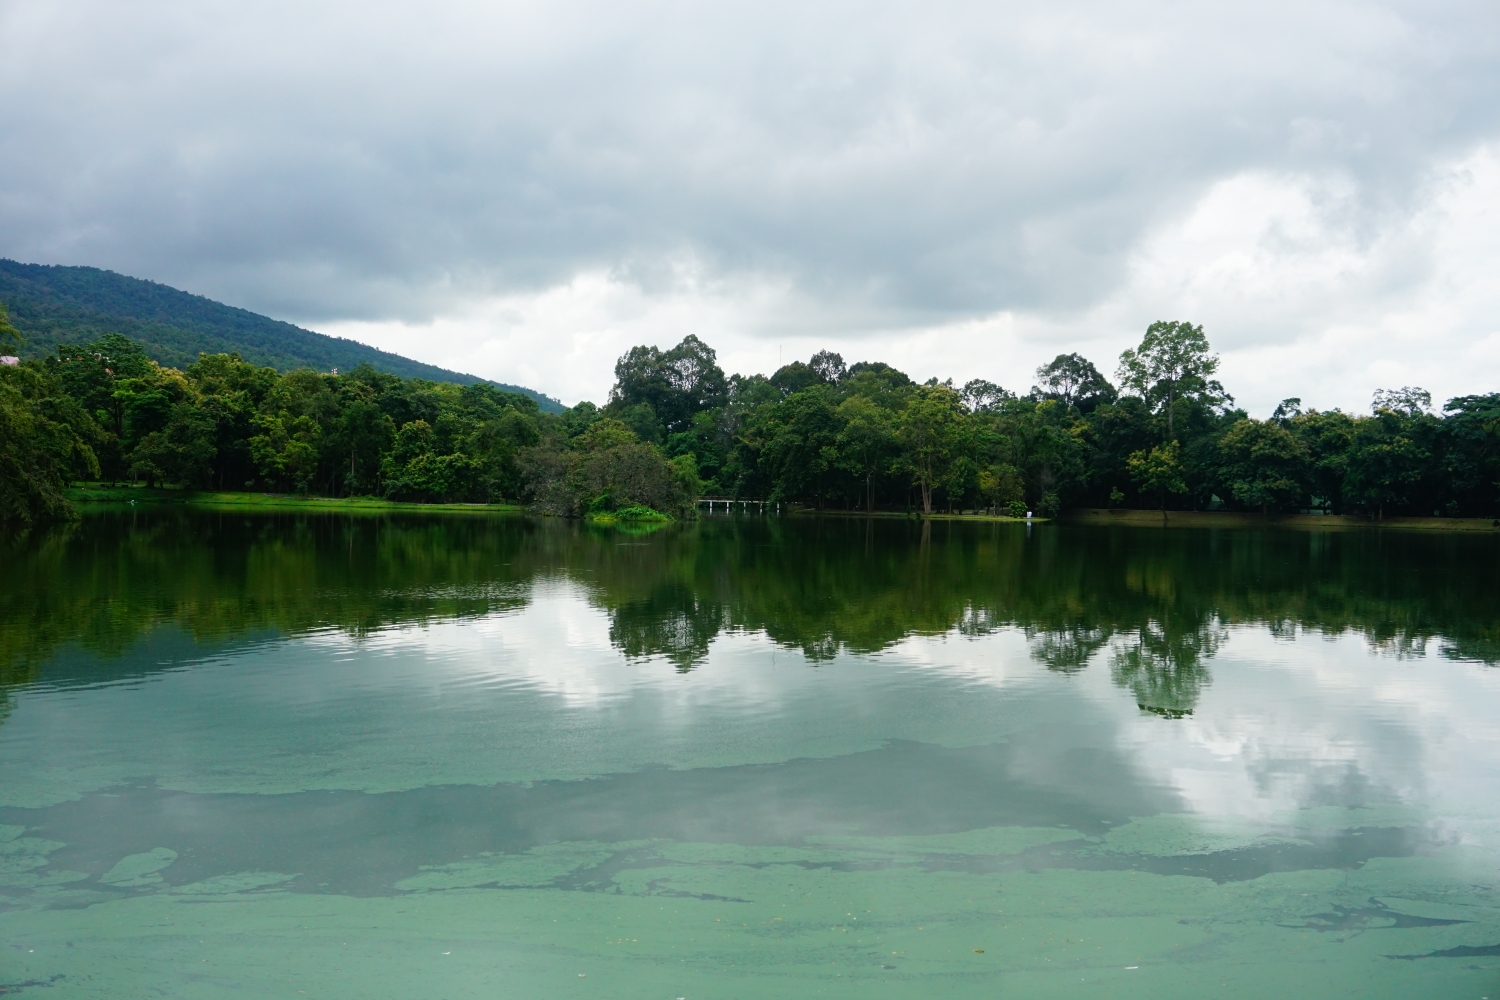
1407 401
1264 465
1327 437
1072 380
1390 452
1472 429
866 441
828 366
1173 362
928 430
982 395
40 445
1042 441
796 377
1159 471
676 383
801 445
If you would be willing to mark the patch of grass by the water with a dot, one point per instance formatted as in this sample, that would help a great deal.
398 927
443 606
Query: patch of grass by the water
1246 519
102 493
917 515
627 514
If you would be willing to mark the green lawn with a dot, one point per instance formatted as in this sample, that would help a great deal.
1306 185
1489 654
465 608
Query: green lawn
101 493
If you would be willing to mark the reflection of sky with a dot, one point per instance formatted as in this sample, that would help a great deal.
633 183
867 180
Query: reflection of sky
1324 722
539 692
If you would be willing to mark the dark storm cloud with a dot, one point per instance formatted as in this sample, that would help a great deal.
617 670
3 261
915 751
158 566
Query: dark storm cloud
932 162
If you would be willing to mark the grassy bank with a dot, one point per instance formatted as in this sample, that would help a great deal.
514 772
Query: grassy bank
914 515
84 495
1231 519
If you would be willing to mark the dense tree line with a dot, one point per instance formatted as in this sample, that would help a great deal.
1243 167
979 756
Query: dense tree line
862 437
1166 434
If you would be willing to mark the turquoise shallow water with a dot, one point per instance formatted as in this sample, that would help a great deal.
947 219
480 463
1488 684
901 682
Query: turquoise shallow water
496 757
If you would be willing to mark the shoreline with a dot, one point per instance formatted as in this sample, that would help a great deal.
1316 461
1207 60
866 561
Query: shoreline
95 496
915 516
89 495
1245 519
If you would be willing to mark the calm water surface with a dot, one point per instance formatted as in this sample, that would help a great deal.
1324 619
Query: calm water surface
464 756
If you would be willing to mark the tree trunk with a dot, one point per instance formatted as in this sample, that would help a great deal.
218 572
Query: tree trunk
926 497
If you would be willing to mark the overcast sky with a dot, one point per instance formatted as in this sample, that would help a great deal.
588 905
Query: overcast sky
524 191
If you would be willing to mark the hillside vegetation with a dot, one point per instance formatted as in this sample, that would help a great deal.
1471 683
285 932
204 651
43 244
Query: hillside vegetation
51 306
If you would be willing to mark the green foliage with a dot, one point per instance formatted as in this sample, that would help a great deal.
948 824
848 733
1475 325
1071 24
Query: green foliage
1388 458
1045 443
706 441
796 377
1159 470
225 423
675 384
1072 380
799 450
929 429
1472 456
1001 486
983 396
606 469
864 436
1172 364
638 513
44 442
9 335
818 433
1264 465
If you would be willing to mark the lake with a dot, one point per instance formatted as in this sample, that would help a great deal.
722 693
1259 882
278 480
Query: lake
499 756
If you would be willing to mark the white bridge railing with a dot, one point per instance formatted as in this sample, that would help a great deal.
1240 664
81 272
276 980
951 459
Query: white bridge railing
730 505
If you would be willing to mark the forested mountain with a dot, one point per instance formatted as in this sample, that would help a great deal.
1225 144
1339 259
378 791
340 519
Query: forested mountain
53 305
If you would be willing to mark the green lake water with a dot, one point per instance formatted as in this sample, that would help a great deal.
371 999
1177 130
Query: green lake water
504 757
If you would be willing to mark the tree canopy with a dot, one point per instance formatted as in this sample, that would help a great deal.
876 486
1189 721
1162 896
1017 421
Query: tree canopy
820 432
1173 363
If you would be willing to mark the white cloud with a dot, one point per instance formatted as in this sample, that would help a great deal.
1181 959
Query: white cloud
1301 297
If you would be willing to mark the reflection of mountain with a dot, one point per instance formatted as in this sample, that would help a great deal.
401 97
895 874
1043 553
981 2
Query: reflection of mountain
1158 600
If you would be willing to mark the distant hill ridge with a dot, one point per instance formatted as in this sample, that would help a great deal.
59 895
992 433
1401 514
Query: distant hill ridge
54 305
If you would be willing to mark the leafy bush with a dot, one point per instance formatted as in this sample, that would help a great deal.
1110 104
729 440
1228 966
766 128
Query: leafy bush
638 513
43 443
604 470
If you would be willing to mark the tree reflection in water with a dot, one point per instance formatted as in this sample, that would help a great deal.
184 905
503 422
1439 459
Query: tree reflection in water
1163 664
1156 603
